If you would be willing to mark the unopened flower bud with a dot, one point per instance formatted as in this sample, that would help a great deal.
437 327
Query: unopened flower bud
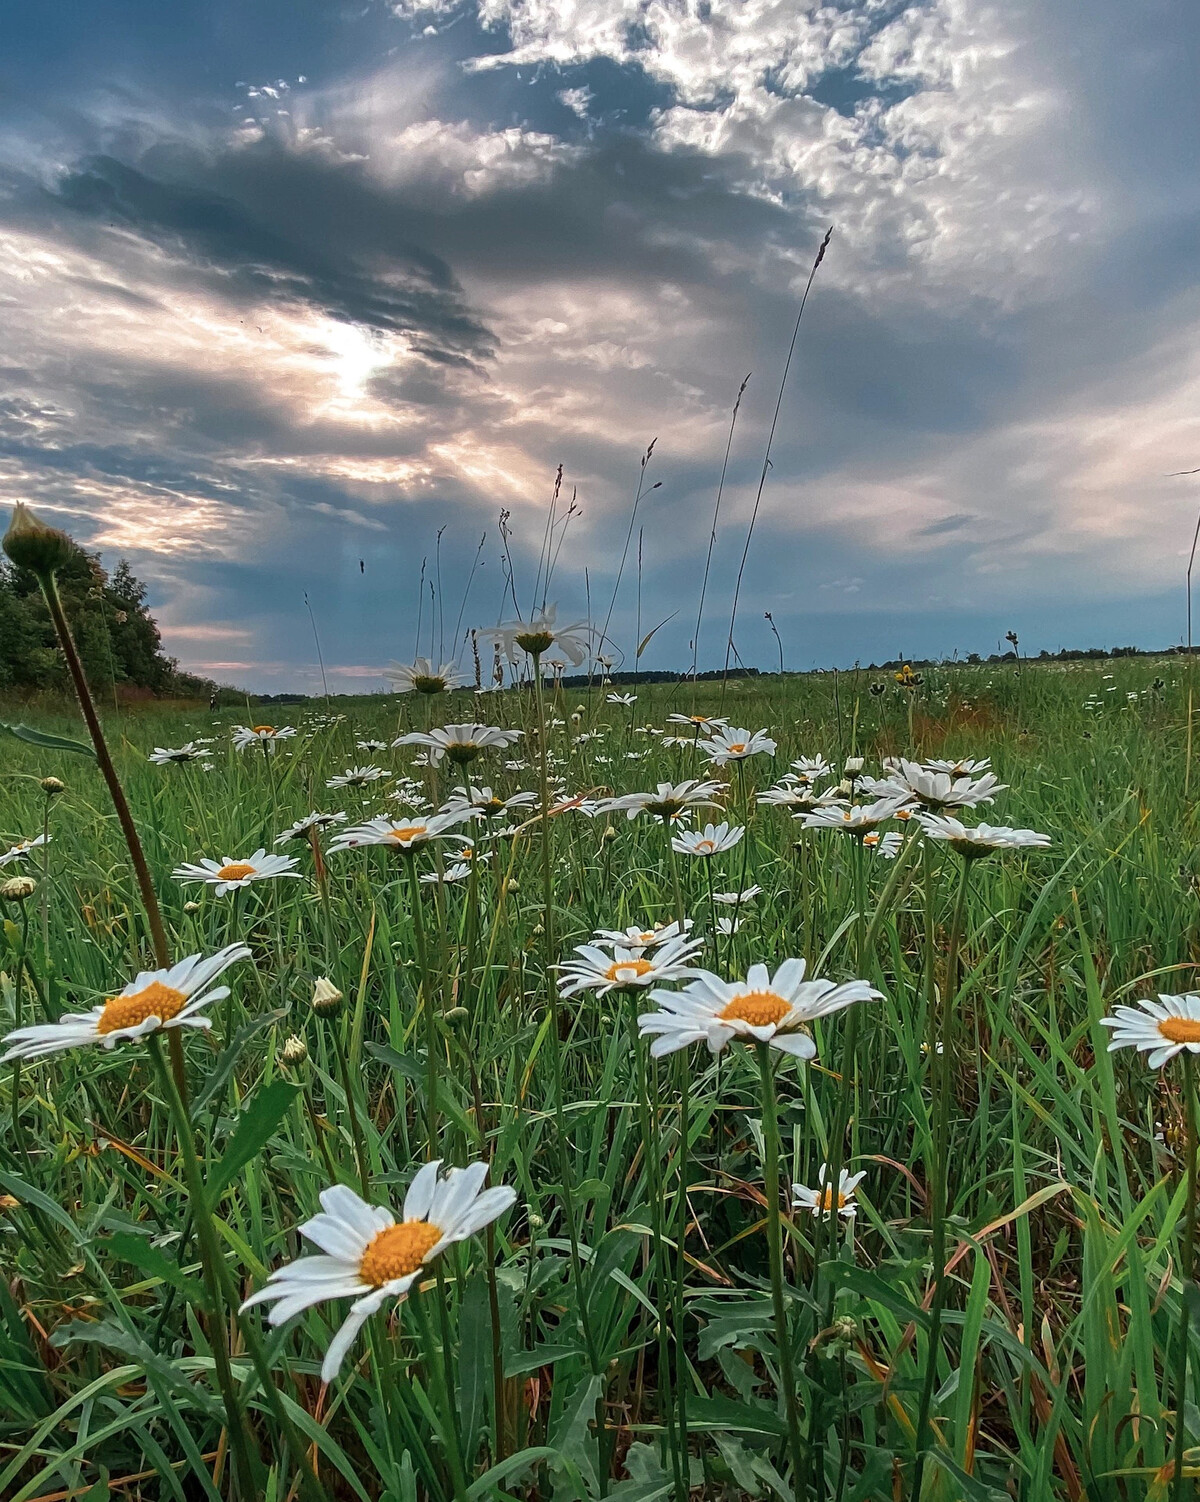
326 998
18 889
510 884
456 1016
535 1220
294 1052
31 544
845 787
52 786
845 1329
854 765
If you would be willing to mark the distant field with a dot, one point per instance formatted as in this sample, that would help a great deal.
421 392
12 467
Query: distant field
629 1290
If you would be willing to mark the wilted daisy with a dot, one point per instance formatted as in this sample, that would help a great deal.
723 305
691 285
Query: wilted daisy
761 1009
713 839
483 803
736 899
980 839
229 874
735 744
461 743
356 777
627 969
860 818
422 677
370 1257
155 999
637 939
823 1201
540 633
668 801
1160 1029
937 790
23 848
302 829
402 834
164 755
261 735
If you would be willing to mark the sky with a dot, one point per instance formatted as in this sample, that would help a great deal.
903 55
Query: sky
299 297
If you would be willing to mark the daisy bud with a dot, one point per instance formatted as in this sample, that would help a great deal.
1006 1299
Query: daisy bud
854 765
535 1220
293 1053
31 544
191 907
845 1329
51 786
326 998
845 788
18 889
609 833
456 1016
510 884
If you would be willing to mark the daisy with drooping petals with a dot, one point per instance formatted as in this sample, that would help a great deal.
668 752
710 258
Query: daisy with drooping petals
668 801
637 939
302 829
461 743
761 1009
823 1201
421 677
356 777
975 841
229 875
22 848
626 699
811 768
628 969
457 872
154 999
886 846
264 736
163 756
371 746
936 791
799 796
713 839
540 633
735 899
370 1257
1160 1029
402 834
731 743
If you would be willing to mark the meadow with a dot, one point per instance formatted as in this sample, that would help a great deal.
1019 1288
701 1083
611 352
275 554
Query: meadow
640 1305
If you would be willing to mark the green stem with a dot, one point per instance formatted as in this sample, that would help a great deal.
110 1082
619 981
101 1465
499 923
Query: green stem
427 999
440 1370
1186 1273
356 1132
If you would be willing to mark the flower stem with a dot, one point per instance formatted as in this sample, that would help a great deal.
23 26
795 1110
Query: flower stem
427 995
1186 1273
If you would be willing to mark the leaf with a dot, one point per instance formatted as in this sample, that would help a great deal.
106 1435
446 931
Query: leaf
409 1065
572 1436
46 741
645 641
474 1365
252 1133
29 1196
114 1338
217 1081
138 1251
517 1363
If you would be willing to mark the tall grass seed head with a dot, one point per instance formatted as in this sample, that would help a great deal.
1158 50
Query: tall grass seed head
31 544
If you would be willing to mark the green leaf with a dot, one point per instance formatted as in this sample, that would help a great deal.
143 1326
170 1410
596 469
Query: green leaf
138 1251
46 741
219 1078
252 1133
113 1338
474 1365
517 1363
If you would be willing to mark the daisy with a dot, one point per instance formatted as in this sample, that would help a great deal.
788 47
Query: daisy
637 939
735 899
371 745
886 846
422 677
458 872
963 768
461 743
302 828
626 699
260 735
229 875
699 723
820 1201
734 744
628 969
23 847
860 818
539 633
402 834
938 790
578 803
668 801
799 796
369 1257
980 839
727 926
1162 1028
356 777
163 755
482 803
714 839
810 768
761 1009
154 999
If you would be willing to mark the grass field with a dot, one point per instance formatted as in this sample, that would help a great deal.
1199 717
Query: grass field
652 1316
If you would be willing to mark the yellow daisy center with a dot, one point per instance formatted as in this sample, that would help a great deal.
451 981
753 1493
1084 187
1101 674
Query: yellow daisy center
757 1008
408 832
628 969
1180 1029
235 871
535 642
425 684
706 844
737 748
156 1000
872 838
827 1199
263 729
397 1251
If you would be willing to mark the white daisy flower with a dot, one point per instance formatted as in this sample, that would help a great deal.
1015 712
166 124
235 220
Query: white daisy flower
637 939
261 735
702 724
937 790
461 743
164 755
811 768
728 926
858 819
980 839
1161 1028
229 874
402 834
821 1201
485 804
457 872
964 768
713 839
799 796
761 1009
23 848
370 1257
422 677
736 899
886 846
540 633
302 828
626 699
356 777
736 744
668 801
371 746
628 969
577 803
154 999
